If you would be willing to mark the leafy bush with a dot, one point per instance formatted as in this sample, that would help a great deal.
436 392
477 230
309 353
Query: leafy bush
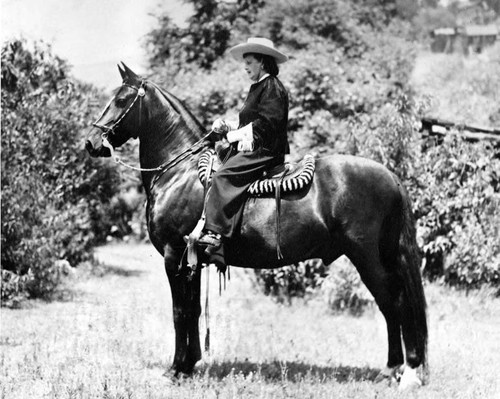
295 281
338 284
456 184
458 210
343 289
50 187
124 217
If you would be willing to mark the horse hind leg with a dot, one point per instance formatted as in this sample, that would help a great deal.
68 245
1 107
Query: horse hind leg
386 291
414 329
413 306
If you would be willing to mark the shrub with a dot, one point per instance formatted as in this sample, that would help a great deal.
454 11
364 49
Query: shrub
50 189
338 284
458 211
295 281
343 289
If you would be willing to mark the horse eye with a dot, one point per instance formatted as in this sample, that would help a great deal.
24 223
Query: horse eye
120 102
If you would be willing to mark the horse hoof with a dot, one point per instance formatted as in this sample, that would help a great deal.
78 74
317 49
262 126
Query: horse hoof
171 377
389 374
409 380
175 376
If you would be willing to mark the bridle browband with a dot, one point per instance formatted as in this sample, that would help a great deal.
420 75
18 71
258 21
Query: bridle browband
107 131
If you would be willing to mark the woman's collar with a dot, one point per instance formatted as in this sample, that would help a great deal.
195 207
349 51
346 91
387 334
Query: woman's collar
261 78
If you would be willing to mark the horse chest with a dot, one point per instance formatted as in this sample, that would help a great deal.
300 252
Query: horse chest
174 210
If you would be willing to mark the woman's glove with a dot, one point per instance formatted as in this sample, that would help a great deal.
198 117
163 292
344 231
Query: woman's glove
220 127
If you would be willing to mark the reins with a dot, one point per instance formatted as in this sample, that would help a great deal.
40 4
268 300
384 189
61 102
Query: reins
165 165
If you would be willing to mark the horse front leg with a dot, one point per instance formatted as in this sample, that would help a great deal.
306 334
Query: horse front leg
185 289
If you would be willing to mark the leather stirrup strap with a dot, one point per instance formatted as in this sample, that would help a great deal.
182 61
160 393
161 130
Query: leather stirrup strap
194 236
278 213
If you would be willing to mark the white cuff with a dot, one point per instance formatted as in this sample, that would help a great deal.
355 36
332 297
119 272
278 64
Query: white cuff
245 145
245 133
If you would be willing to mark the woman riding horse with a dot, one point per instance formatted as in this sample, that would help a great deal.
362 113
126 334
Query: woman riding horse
353 207
258 144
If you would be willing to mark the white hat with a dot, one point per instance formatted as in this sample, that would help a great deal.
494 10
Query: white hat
258 45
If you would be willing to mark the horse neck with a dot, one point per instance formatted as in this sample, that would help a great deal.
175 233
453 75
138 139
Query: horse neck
170 130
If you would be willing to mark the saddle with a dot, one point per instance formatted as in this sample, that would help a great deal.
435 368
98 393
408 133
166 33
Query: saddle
287 177
283 178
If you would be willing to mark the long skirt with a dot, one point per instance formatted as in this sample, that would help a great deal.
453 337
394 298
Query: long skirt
227 195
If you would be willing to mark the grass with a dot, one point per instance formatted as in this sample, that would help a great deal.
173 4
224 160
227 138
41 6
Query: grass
111 336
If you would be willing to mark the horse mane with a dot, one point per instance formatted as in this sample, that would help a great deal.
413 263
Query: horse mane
192 123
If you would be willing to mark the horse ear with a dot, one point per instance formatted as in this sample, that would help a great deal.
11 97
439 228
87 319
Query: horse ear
122 72
128 72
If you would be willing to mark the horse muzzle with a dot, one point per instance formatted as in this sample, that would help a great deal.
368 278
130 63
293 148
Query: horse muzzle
95 148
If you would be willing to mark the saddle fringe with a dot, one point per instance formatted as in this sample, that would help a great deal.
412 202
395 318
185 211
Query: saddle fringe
295 176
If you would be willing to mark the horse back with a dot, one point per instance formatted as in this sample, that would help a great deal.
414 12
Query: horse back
349 197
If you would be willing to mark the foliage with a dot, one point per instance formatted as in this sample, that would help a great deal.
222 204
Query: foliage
124 218
295 281
458 212
338 284
456 184
206 37
50 188
343 289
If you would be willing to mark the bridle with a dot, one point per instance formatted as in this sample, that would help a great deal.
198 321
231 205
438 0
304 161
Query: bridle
110 130
141 92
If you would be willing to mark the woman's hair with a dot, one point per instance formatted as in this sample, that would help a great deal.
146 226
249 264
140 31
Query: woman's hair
268 62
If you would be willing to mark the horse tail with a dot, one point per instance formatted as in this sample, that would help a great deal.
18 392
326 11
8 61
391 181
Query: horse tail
414 315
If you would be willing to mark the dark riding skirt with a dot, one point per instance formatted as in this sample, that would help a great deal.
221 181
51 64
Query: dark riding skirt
229 186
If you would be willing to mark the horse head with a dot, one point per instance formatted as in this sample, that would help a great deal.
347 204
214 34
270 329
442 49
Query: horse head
121 118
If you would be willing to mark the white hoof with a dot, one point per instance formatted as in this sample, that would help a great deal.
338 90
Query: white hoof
409 380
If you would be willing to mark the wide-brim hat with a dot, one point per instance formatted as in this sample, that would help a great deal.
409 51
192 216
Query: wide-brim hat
258 45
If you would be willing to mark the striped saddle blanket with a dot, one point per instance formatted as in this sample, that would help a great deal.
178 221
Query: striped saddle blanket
288 177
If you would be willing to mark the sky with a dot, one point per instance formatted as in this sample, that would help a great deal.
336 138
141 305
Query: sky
92 35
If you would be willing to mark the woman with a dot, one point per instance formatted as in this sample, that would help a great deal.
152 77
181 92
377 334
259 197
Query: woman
259 140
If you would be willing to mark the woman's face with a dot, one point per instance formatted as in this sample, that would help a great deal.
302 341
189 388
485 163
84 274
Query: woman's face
253 67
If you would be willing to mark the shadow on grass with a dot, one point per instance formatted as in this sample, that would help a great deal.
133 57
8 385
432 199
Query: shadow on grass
103 270
289 371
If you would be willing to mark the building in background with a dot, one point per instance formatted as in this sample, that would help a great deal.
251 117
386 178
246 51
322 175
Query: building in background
476 27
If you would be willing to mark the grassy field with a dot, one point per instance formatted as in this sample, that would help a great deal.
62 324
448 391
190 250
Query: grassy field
111 336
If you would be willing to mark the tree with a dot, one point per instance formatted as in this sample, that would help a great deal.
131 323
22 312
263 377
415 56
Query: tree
206 37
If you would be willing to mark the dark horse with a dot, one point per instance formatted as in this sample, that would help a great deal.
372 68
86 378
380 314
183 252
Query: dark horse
354 207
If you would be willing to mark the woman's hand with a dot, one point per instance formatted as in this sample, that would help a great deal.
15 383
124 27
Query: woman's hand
220 127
